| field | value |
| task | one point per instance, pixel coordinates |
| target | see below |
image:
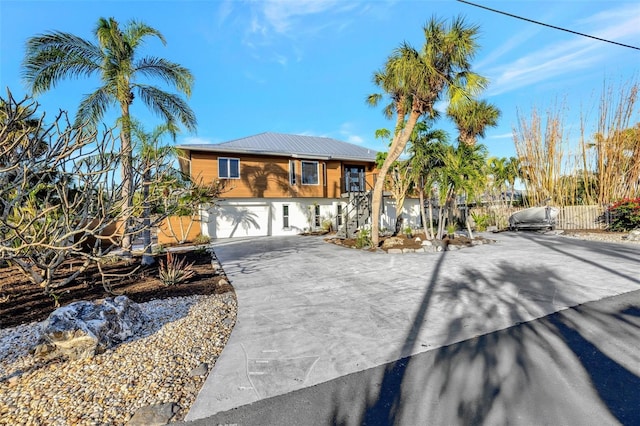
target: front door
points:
(354, 178)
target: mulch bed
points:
(27, 302)
(404, 242)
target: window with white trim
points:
(292, 172)
(285, 216)
(228, 168)
(310, 173)
(317, 215)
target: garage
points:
(228, 220)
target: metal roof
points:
(296, 146)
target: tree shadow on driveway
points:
(577, 366)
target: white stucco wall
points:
(410, 214)
(263, 217)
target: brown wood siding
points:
(175, 229)
(268, 177)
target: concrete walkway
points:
(311, 312)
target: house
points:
(282, 184)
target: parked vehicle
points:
(534, 218)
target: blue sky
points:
(305, 67)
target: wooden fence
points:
(569, 217)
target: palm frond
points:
(136, 32)
(51, 57)
(172, 73)
(167, 105)
(93, 107)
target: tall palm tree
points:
(415, 80)
(56, 55)
(472, 118)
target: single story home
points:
(282, 184)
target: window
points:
(292, 172)
(317, 215)
(339, 215)
(228, 168)
(309, 172)
(285, 216)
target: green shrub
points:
(175, 271)
(482, 221)
(363, 239)
(625, 214)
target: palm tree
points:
(512, 172)
(471, 118)
(498, 169)
(462, 171)
(426, 157)
(415, 80)
(57, 55)
(399, 181)
(151, 157)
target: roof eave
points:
(214, 149)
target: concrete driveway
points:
(311, 313)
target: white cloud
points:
(280, 14)
(274, 22)
(501, 136)
(194, 140)
(225, 9)
(347, 133)
(355, 139)
(548, 62)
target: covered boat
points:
(534, 218)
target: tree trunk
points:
(127, 181)
(398, 144)
(431, 217)
(147, 258)
(423, 216)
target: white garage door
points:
(241, 220)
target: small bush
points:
(363, 239)
(625, 214)
(327, 225)
(481, 220)
(175, 271)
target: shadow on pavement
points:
(603, 249)
(579, 366)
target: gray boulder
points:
(83, 329)
(392, 242)
(634, 235)
(154, 415)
